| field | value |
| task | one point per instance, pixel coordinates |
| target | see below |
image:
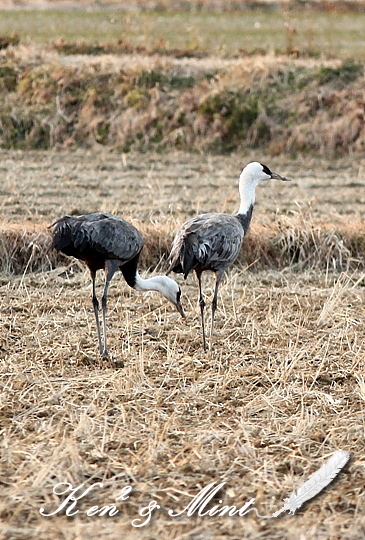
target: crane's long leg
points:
(110, 269)
(219, 275)
(202, 305)
(96, 309)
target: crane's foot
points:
(105, 356)
(115, 364)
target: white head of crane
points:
(250, 177)
(165, 286)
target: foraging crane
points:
(213, 241)
(109, 242)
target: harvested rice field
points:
(281, 391)
(150, 110)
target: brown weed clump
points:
(25, 249)
(294, 242)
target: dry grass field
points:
(338, 34)
(284, 387)
(282, 390)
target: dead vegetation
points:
(275, 104)
(284, 387)
(291, 242)
(282, 390)
(304, 225)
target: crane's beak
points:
(276, 176)
(180, 309)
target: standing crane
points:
(108, 242)
(213, 241)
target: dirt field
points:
(282, 390)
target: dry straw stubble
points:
(261, 413)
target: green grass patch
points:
(346, 73)
(150, 79)
(237, 112)
(336, 34)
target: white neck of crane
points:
(150, 284)
(247, 188)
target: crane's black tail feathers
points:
(61, 235)
(182, 261)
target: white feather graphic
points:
(318, 481)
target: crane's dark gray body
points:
(208, 242)
(97, 238)
(213, 241)
(102, 241)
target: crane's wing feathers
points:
(115, 239)
(207, 241)
(108, 235)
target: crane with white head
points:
(213, 241)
